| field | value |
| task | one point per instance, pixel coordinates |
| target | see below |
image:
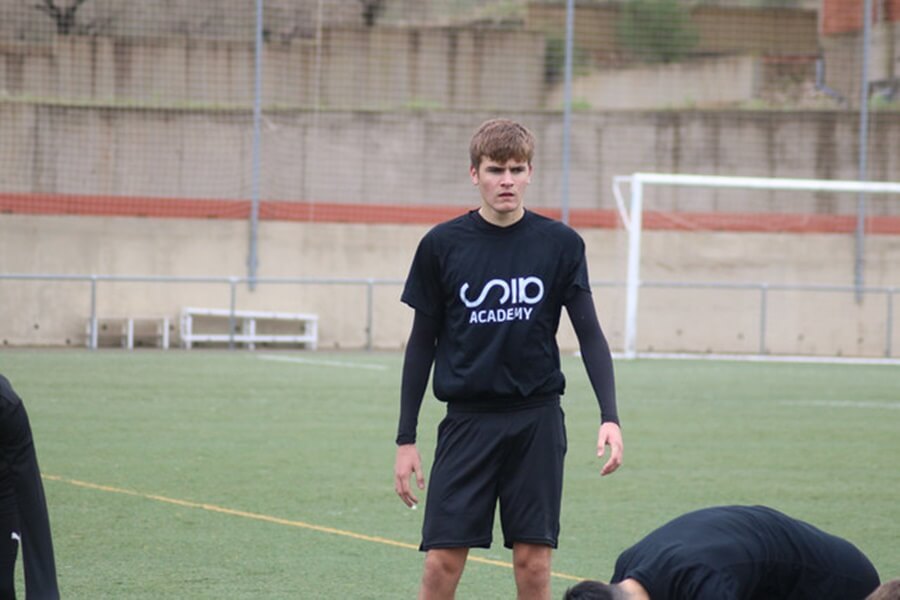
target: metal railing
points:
(765, 288)
(369, 283)
(232, 281)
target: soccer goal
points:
(632, 217)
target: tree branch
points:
(63, 17)
(49, 8)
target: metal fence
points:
(232, 284)
(212, 111)
(765, 288)
(367, 319)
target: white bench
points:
(254, 327)
(124, 329)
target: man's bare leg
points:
(443, 568)
(532, 567)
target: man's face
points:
(502, 187)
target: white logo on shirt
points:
(518, 290)
(515, 291)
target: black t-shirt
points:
(497, 293)
(746, 553)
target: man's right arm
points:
(419, 357)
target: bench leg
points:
(164, 334)
(186, 331)
(128, 326)
(250, 329)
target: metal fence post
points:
(763, 315)
(370, 303)
(93, 343)
(255, 177)
(860, 238)
(890, 322)
(232, 320)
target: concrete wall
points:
(355, 67)
(421, 158)
(708, 82)
(415, 158)
(54, 313)
(387, 67)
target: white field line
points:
(322, 363)
(836, 360)
(844, 404)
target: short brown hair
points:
(889, 590)
(501, 140)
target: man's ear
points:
(473, 173)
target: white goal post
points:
(633, 218)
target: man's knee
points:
(532, 563)
(444, 565)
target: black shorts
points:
(515, 457)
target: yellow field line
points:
(270, 519)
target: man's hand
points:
(609, 435)
(409, 462)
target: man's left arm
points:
(599, 365)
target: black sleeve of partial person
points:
(18, 451)
(595, 353)
(417, 363)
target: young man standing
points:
(488, 289)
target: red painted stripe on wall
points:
(333, 212)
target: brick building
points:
(845, 16)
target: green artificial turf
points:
(217, 474)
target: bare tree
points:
(63, 16)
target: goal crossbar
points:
(633, 218)
(770, 183)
